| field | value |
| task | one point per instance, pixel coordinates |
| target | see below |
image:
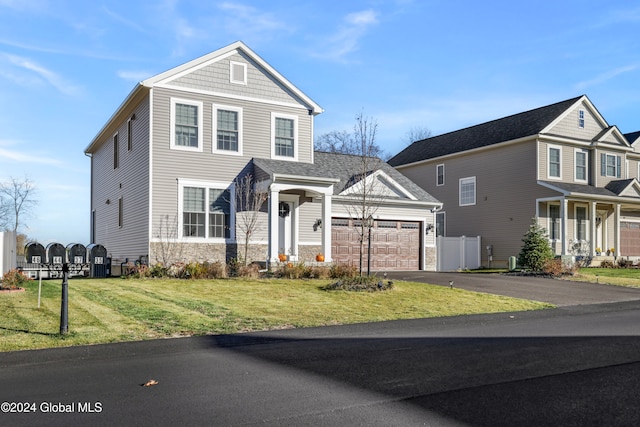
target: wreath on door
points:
(284, 209)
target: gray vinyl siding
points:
(308, 212)
(130, 181)
(506, 191)
(215, 78)
(170, 165)
(568, 162)
(568, 126)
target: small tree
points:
(536, 250)
(169, 249)
(16, 202)
(249, 201)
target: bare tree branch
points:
(249, 201)
(17, 201)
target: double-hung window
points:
(554, 222)
(284, 131)
(206, 211)
(581, 119)
(186, 125)
(219, 213)
(193, 213)
(468, 191)
(555, 162)
(440, 175)
(581, 166)
(227, 122)
(610, 165)
(581, 223)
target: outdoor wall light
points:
(429, 228)
(317, 224)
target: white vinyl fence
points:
(458, 253)
(7, 251)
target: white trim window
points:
(116, 151)
(440, 175)
(581, 165)
(206, 211)
(238, 73)
(554, 221)
(467, 192)
(186, 125)
(610, 165)
(581, 223)
(581, 119)
(227, 125)
(554, 158)
(441, 224)
(284, 136)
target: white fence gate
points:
(458, 253)
(7, 251)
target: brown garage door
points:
(395, 245)
(630, 238)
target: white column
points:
(326, 227)
(563, 225)
(274, 198)
(592, 234)
(616, 228)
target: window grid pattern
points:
(581, 166)
(219, 211)
(554, 222)
(227, 130)
(554, 162)
(193, 212)
(284, 137)
(581, 223)
(186, 127)
(467, 191)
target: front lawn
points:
(614, 276)
(112, 310)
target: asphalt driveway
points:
(558, 292)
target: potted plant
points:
(598, 251)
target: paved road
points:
(574, 365)
(558, 292)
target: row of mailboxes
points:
(56, 254)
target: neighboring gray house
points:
(562, 163)
(163, 169)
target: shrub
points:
(159, 270)
(359, 284)
(536, 250)
(608, 264)
(139, 271)
(343, 270)
(293, 271)
(556, 268)
(319, 272)
(13, 279)
(625, 263)
(251, 271)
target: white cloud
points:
(40, 73)
(241, 20)
(26, 156)
(604, 77)
(346, 40)
(135, 76)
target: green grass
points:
(114, 310)
(613, 276)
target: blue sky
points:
(65, 66)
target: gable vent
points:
(238, 73)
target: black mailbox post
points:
(98, 260)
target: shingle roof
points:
(344, 167)
(612, 189)
(505, 129)
(632, 137)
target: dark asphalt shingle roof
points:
(614, 188)
(505, 129)
(631, 137)
(344, 167)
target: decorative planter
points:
(320, 258)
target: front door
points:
(285, 237)
(601, 231)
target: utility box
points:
(98, 260)
(512, 263)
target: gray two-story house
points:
(562, 163)
(164, 170)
